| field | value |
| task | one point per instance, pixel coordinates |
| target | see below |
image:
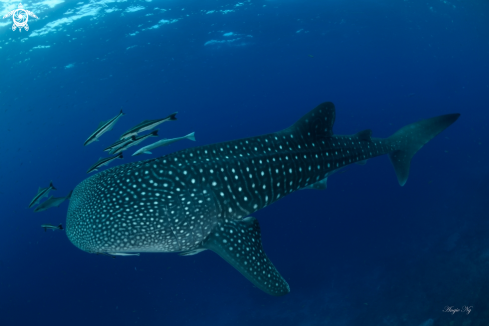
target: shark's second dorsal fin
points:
(239, 243)
(318, 123)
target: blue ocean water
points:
(363, 252)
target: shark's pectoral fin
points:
(239, 243)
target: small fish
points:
(135, 142)
(51, 227)
(163, 142)
(103, 127)
(52, 202)
(42, 192)
(119, 143)
(121, 254)
(147, 125)
(103, 161)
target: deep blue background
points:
(363, 252)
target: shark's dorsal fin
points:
(239, 243)
(365, 135)
(318, 123)
(102, 123)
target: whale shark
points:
(202, 198)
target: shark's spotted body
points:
(200, 198)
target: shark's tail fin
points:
(412, 137)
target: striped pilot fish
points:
(202, 198)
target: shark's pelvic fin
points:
(412, 137)
(239, 243)
(320, 185)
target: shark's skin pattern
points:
(199, 198)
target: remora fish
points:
(136, 141)
(199, 198)
(120, 143)
(52, 202)
(147, 125)
(163, 142)
(42, 192)
(51, 227)
(103, 127)
(103, 161)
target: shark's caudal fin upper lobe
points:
(412, 137)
